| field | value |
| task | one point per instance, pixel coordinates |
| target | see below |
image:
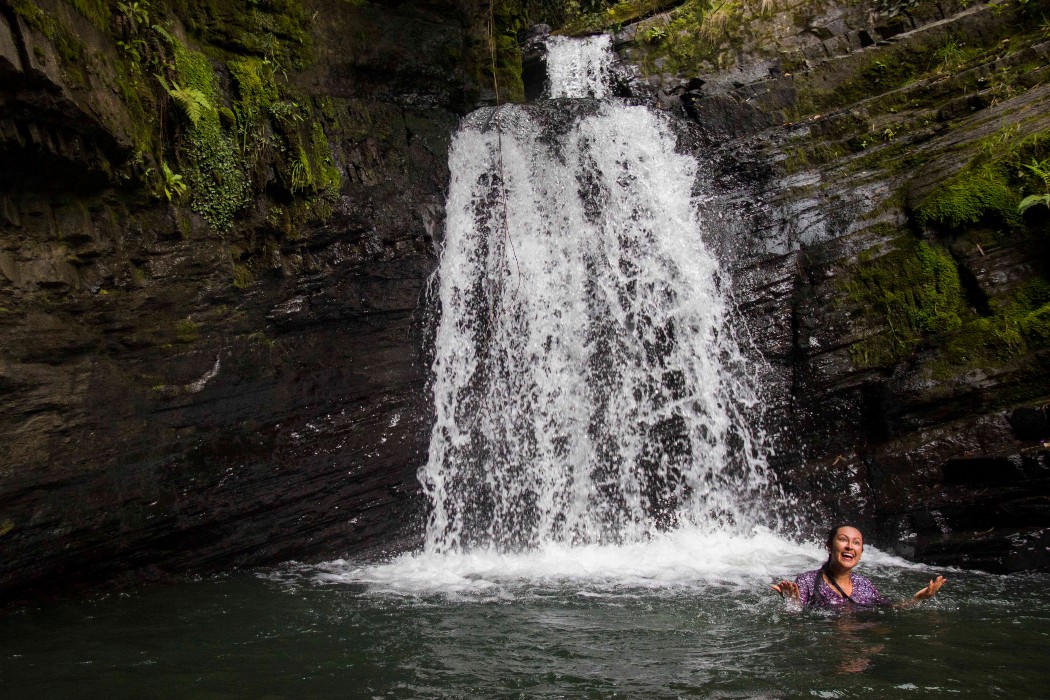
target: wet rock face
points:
(882, 301)
(180, 398)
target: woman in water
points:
(835, 585)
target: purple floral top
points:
(864, 592)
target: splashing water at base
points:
(685, 559)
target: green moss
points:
(71, 51)
(138, 96)
(1016, 327)
(887, 71)
(96, 11)
(324, 173)
(914, 290)
(913, 74)
(242, 276)
(495, 57)
(703, 34)
(606, 17)
(304, 159)
(970, 196)
(813, 155)
(511, 88)
(1027, 313)
(35, 17)
(319, 208)
(256, 91)
(279, 31)
(990, 186)
(210, 154)
(275, 30)
(1035, 326)
(186, 331)
(195, 70)
(327, 107)
(256, 88)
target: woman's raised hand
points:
(788, 588)
(931, 589)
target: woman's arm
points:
(928, 592)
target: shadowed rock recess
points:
(218, 218)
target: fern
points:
(1031, 200)
(1042, 171)
(192, 101)
(300, 172)
(164, 34)
(174, 188)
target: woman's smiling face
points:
(846, 547)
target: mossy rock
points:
(913, 291)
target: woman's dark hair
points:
(835, 530)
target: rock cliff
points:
(876, 155)
(217, 222)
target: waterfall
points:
(588, 386)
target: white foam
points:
(684, 559)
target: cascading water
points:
(587, 384)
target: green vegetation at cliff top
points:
(199, 80)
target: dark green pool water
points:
(342, 632)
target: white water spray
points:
(588, 388)
(579, 67)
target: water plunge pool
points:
(689, 616)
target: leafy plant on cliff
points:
(134, 16)
(174, 187)
(215, 169)
(952, 55)
(303, 155)
(193, 103)
(146, 43)
(1042, 171)
(704, 31)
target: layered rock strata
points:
(217, 223)
(879, 158)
